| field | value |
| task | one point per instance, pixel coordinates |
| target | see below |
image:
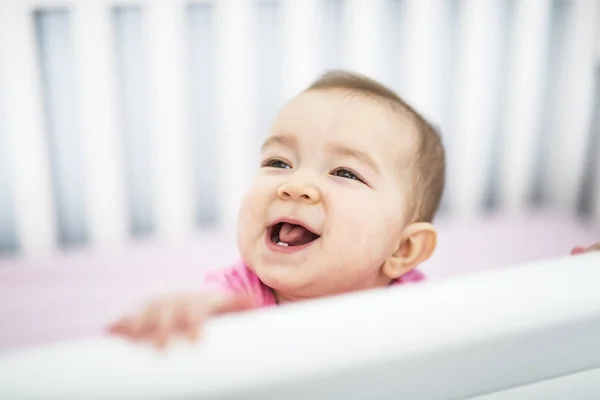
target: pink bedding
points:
(75, 294)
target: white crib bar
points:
(364, 37)
(236, 122)
(596, 194)
(300, 19)
(29, 161)
(528, 46)
(476, 90)
(447, 340)
(104, 182)
(174, 209)
(423, 54)
(582, 385)
(572, 111)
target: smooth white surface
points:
(582, 385)
(451, 339)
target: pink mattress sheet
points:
(75, 294)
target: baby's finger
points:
(144, 325)
(141, 327)
(594, 247)
(122, 327)
(164, 325)
(583, 249)
(190, 320)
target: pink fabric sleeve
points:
(410, 277)
(240, 279)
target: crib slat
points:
(477, 70)
(572, 109)
(174, 194)
(27, 144)
(235, 134)
(107, 220)
(423, 34)
(364, 37)
(526, 79)
(596, 194)
(267, 25)
(300, 44)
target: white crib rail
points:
(453, 339)
(499, 90)
(573, 106)
(478, 73)
(596, 183)
(572, 111)
(300, 64)
(169, 108)
(103, 151)
(236, 105)
(364, 39)
(31, 183)
(427, 60)
(527, 74)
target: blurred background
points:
(125, 121)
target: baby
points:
(350, 180)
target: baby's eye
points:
(344, 173)
(276, 164)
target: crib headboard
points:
(121, 119)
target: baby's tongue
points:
(294, 235)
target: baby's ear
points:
(416, 245)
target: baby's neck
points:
(282, 298)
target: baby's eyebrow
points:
(285, 140)
(360, 155)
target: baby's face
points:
(327, 206)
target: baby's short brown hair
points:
(428, 166)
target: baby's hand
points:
(181, 314)
(583, 249)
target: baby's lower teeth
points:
(282, 244)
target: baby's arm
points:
(178, 314)
(224, 291)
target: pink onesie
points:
(240, 279)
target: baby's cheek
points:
(251, 222)
(254, 204)
(363, 247)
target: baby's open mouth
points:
(288, 234)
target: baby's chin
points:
(284, 278)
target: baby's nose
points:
(299, 191)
